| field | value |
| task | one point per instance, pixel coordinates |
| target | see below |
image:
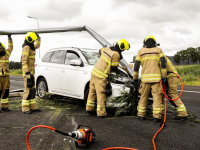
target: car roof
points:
(73, 48)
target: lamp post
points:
(38, 28)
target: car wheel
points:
(86, 97)
(42, 88)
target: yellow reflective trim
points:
(181, 108)
(149, 58)
(163, 70)
(138, 58)
(25, 53)
(25, 66)
(90, 104)
(108, 61)
(98, 75)
(89, 101)
(25, 102)
(115, 63)
(37, 42)
(161, 55)
(4, 100)
(135, 73)
(147, 75)
(8, 53)
(33, 56)
(4, 61)
(141, 109)
(100, 72)
(10, 44)
(149, 79)
(32, 101)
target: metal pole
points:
(38, 28)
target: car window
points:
(47, 57)
(91, 57)
(70, 56)
(57, 57)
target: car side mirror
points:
(76, 62)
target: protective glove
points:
(9, 36)
(136, 84)
(164, 80)
(30, 80)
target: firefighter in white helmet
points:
(4, 73)
(28, 67)
(109, 60)
(153, 64)
(172, 84)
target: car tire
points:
(86, 97)
(41, 87)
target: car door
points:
(71, 76)
(52, 70)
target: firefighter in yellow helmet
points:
(109, 60)
(172, 84)
(4, 74)
(153, 64)
(28, 67)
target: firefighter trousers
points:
(4, 90)
(173, 94)
(97, 91)
(144, 90)
(28, 101)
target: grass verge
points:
(16, 72)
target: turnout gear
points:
(172, 80)
(28, 67)
(109, 60)
(153, 64)
(4, 74)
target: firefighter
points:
(172, 93)
(153, 64)
(109, 60)
(28, 67)
(4, 74)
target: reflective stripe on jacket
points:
(4, 60)
(28, 58)
(153, 65)
(170, 68)
(108, 58)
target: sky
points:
(174, 23)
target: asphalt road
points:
(16, 82)
(110, 132)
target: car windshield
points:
(92, 57)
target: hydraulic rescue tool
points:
(84, 135)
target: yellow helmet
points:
(30, 37)
(149, 37)
(123, 44)
(2, 46)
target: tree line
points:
(15, 65)
(185, 56)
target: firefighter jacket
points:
(153, 65)
(28, 58)
(107, 60)
(4, 60)
(170, 68)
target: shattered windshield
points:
(91, 57)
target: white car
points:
(67, 72)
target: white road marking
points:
(190, 91)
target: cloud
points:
(56, 10)
(182, 31)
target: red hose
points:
(39, 126)
(116, 148)
(179, 94)
(166, 97)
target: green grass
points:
(16, 72)
(190, 74)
